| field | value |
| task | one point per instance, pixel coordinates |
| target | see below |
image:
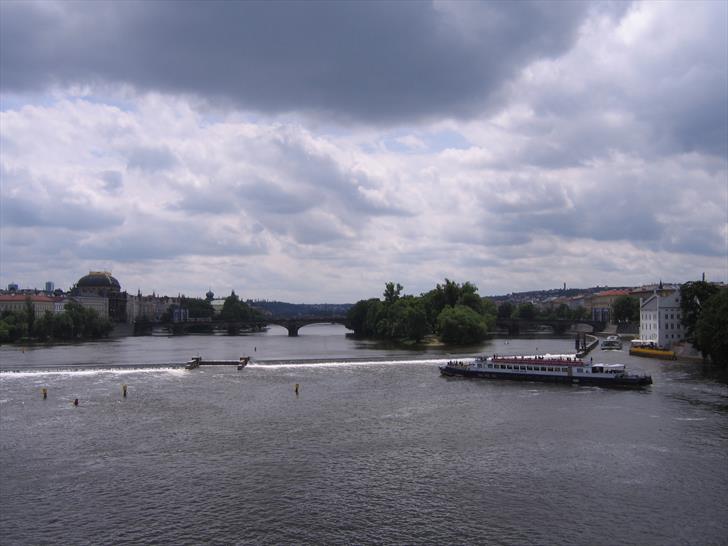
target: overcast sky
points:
(311, 152)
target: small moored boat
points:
(643, 347)
(611, 343)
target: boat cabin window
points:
(529, 367)
(509, 367)
(580, 370)
(542, 368)
(564, 369)
(490, 365)
(523, 367)
(597, 369)
(550, 369)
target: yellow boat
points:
(641, 347)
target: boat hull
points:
(652, 353)
(618, 382)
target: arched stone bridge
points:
(293, 325)
(515, 326)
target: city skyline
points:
(311, 152)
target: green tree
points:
(417, 326)
(4, 331)
(461, 325)
(505, 310)
(16, 325)
(44, 326)
(234, 310)
(693, 296)
(62, 326)
(412, 318)
(198, 308)
(526, 311)
(711, 329)
(374, 323)
(488, 307)
(626, 309)
(392, 292)
(86, 323)
(356, 317)
(562, 311)
(29, 313)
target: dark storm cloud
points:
(361, 60)
(616, 206)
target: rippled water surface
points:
(376, 448)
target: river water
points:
(375, 448)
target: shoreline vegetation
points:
(75, 323)
(452, 312)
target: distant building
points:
(179, 314)
(59, 304)
(661, 319)
(600, 304)
(149, 307)
(648, 290)
(49, 287)
(99, 304)
(102, 284)
(12, 287)
(217, 304)
(19, 302)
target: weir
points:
(197, 361)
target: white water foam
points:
(349, 363)
(6, 375)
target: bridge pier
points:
(293, 329)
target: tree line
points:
(454, 312)
(74, 323)
(704, 308)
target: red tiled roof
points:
(23, 297)
(613, 293)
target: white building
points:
(97, 303)
(660, 319)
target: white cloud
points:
(599, 165)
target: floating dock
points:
(197, 361)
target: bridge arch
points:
(294, 325)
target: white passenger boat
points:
(611, 343)
(546, 368)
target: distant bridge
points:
(515, 326)
(292, 324)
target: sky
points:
(313, 151)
